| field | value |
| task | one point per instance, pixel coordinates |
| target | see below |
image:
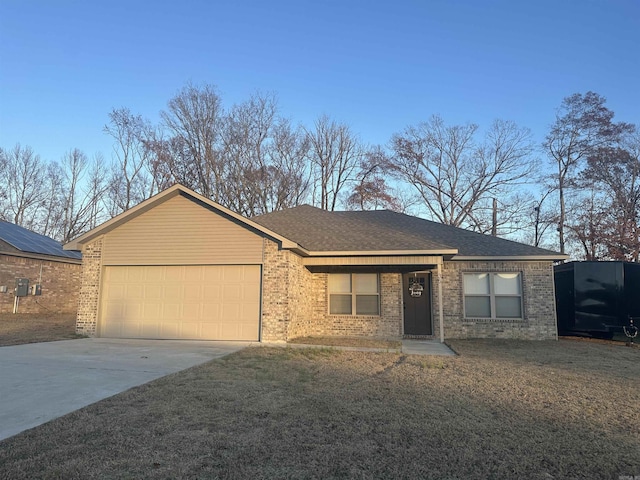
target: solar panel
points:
(28, 241)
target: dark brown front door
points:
(417, 309)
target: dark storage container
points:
(596, 298)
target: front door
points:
(417, 304)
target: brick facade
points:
(60, 282)
(386, 325)
(87, 322)
(295, 303)
(539, 322)
(295, 300)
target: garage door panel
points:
(193, 292)
(135, 275)
(170, 330)
(231, 293)
(151, 311)
(174, 273)
(152, 291)
(211, 276)
(194, 274)
(190, 330)
(183, 302)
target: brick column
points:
(87, 321)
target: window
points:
(354, 292)
(492, 295)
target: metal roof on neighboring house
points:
(30, 242)
(383, 230)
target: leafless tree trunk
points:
(371, 190)
(193, 121)
(456, 177)
(335, 154)
(130, 182)
(582, 124)
(247, 129)
(290, 178)
(81, 196)
(614, 172)
(23, 177)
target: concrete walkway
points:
(410, 347)
(43, 381)
(425, 347)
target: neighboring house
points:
(52, 274)
(181, 266)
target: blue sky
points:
(377, 66)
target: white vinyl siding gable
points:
(181, 232)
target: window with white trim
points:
(354, 294)
(493, 295)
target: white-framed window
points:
(354, 294)
(493, 295)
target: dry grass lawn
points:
(502, 409)
(19, 328)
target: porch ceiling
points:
(403, 263)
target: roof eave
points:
(522, 258)
(77, 243)
(40, 256)
(358, 253)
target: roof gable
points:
(162, 197)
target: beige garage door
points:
(203, 302)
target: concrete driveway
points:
(43, 381)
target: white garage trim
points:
(191, 302)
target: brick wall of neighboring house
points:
(539, 322)
(60, 283)
(87, 322)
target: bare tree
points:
(82, 191)
(246, 134)
(95, 189)
(24, 179)
(615, 173)
(457, 177)
(130, 182)
(336, 153)
(371, 190)
(582, 124)
(290, 175)
(542, 217)
(587, 225)
(52, 210)
(193, 121)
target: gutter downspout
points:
(440, 305)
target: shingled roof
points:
(318, 230)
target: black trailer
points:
(597, 298)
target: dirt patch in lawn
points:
(348, 342)
(19, 328)
(534, 410)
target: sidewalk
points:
(410, 347)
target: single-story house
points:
(49, 276)
(180, 266)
